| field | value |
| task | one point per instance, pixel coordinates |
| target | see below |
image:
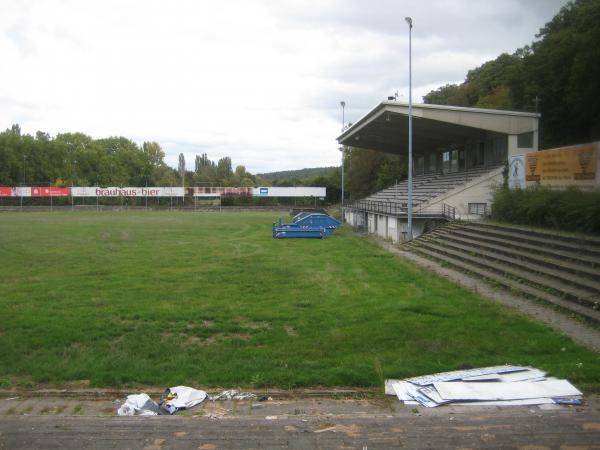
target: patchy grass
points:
(168, 298)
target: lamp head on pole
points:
(343, 103)
(408, 21)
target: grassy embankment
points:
(212, 300)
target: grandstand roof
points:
(385, 127)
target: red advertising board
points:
(45, 191)
(5, 191)
(237, 192)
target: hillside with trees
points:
(299, 174)
(558, 75)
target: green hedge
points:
(570, 210)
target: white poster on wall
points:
(516, 172)
(21, 191)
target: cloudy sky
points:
(257, 80)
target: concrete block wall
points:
(386, 227)
(480, 190)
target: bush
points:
(570, 210)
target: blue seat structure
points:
(317, 220)
(306, 225)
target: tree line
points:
(75, 159)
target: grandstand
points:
(426, 187)
(459, 155)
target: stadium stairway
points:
(561, 270)
(426, 187)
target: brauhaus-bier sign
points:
(127, 192)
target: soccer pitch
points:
(210, 299)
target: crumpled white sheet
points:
(138, 404)
(185, 397)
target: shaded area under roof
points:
(385, 127)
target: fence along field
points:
(207, 300)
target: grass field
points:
(168, 298)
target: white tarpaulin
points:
(463, 390)
(95, 191)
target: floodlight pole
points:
(23, 183)
(410, 156)
(343, 104)
(72, 181)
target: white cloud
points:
(259, 81)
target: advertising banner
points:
(270, 191)
(207, 191)
(7, 191)
(516, 172)
(237, 192)
(561, 167)
(50, 191)
(301, 191)
(128, 191)
(223, 192)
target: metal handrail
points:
(400, 209)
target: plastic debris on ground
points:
(180, 397)
(497, 385)
(138, 405)
(177, 398)
(233, 395)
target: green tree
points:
(561, 68)
(154, 153)
(564, 69)
(181, 167)
(224, 170)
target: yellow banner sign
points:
(562, 167)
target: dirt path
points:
(577, 330)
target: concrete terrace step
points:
(586, 284)
(534, 257)
(513, 285)
(541, 282)
(547, 240)
(561, 236)
(506, 240)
